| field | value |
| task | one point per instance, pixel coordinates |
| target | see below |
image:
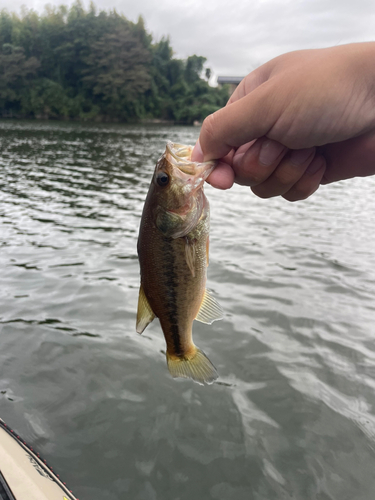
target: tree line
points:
(72, 63)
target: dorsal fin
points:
(210, 309)
(144, 314)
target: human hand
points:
(303, 119)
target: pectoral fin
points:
(210, 309)
(208, 250)
(190, 255)
(144, 314)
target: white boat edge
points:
(23, 474)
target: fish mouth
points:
(180, 156)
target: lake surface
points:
(292, 413)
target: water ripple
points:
(292, 414)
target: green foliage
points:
(70, 63)
(16, 73)
(194, 68)
(117, 71)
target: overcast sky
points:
(237, 39)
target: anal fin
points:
(210, 309)
(144, 314)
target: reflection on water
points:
(292, 414)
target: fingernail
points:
(197, 154)
(315, 165)
(299, 156)
(270, 152)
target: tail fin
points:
(197, 367)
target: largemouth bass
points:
(173, 254)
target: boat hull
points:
(23, 474)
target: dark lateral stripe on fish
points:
(170, 278)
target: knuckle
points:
(293, 197)
(245, 177)
(283, 180)
(209, 127)
(255, 179)
(300, 192)
(286, 175)
(261, 192)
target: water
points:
(292, 414)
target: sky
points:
(236, 39)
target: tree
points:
(90, 64)
(194, 67)
(15, 74)
(117, 70)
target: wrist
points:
(363, 56)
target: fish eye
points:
(162, 179)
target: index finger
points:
(239, 122)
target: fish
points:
(173, 248)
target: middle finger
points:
(287, 173)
